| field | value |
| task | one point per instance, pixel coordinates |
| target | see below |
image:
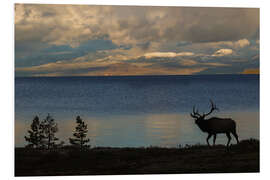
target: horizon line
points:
(137, 75)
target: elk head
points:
(198, 117)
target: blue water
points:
(137, 110)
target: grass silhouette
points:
(243, 157)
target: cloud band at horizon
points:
(88, 40)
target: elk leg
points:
(214, 140)
(208, 137)
(229, 138)
(236, 136)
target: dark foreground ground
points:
(243, 157)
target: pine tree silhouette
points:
(35, 134)
(49, 128)
(80, 134)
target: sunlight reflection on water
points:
(146, 129)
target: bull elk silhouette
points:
(215, 125)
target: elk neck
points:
(202, 124)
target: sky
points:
(87, 40)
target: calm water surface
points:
(137, 111)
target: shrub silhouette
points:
(81, 130)
(35, 138)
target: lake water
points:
(137, 111)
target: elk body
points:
(215, 125)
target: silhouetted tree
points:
(80, 134)
(35, 134)
(49, 128)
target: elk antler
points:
(213, 107)
(195, 114)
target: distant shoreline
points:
(136, 76)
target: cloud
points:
(223, 52)
(166, 54)
(242, 43)
(74, 24)
(86, 51)
(256, 57)
(236, 44)
(188, 62)
(93, 40)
